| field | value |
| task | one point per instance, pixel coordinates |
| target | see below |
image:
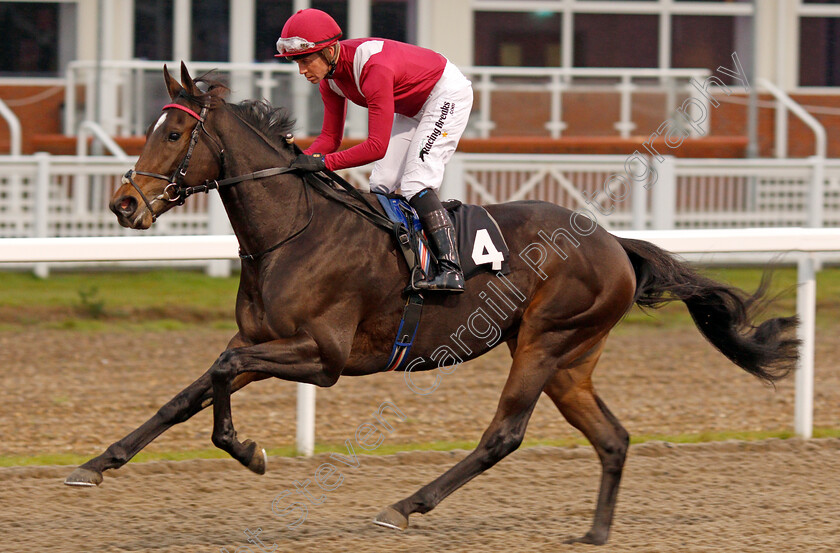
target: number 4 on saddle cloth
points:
(481, 247)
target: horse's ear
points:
(187, 81)
(172, 85)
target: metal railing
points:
(556, 81)
(138, 86)
(784, 103)
(15, 134)
(91, 128)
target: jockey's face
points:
(314, 67)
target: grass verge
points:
(289, 451)
(165, 300)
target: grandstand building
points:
(791, 43)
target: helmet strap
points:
(331, 62)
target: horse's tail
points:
(724, 314)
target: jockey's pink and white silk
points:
(418, 106)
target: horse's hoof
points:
(589, 538)
(391, 518)
(259, 459)
(84, 477)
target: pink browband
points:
(182, 108)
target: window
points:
(819, 51)
(709, 41)
(211, 30)
(530, 39)
(389, 19)
(30, 38)
(607, 40)
(337, 9)
(271, 16)
(153, 29)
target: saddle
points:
(481, 245)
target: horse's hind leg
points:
(571, 390)
(533, 367)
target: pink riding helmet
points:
(306, 32)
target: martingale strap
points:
(408, 237)
(406, 332)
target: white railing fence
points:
(688, 193)
(60, 196)
(63, 196)
(806, 242)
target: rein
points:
(177, 191)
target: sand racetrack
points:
(64, 391)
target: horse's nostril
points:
(124, 206)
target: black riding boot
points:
(441, 234)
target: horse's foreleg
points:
(297, 359)
(571, 390)
(188, 402)
(180, 408)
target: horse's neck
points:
(262, 212)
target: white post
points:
(301, 91)
(242, 23)
(301, 88)
(358, 26)
(41, 208)
(485, 88)
(817, 192)
(305, 419)
(806, 300)
(109, 89)
(217, 224)
(626, 125)
(182, 32)
(454, 187)
(556, 125)
(70, 101)
(781, 130)
(424, 24)
(15, 132)
(665, 195)
(638, 202)
(698, 96)
(14, 192)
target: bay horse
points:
(320, 297)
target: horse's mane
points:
(274, 122)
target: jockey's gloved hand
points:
(310, 164)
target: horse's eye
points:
(174, 136)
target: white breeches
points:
(421, 146)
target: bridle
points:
(176, 190)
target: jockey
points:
(418, 105)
